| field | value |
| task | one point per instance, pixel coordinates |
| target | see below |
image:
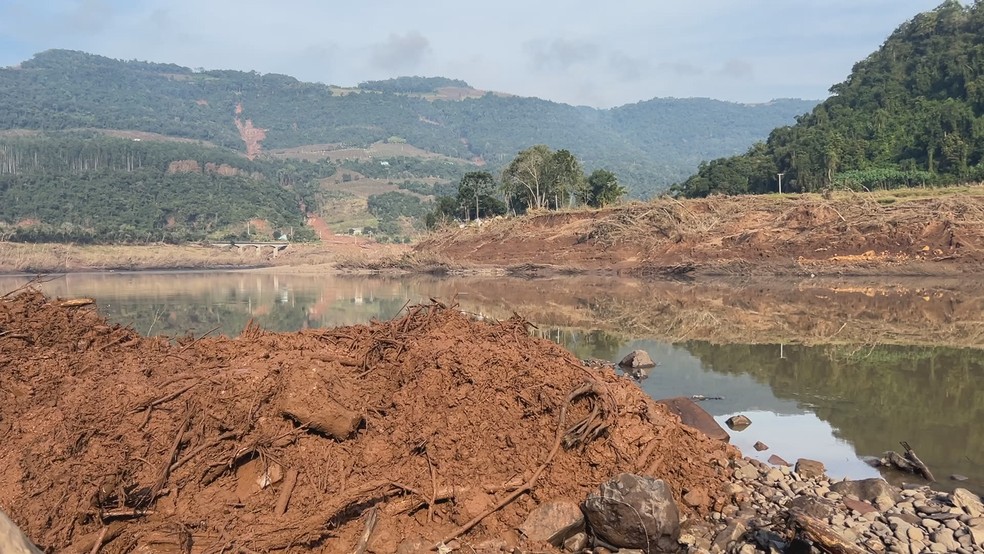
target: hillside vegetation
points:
(648, 145)
(911, 113)
(86, 187)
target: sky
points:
(599, 53)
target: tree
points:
(525, 181)
(540, 178)
(603, 189)
(475, 191)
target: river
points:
(830, 370)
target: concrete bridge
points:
(275, 247)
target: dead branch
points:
(910, 455)
(822, 535)
(166, 398)
(166, 470)
(290, 481)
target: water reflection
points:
(847, 378)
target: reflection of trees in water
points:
(585, 344)
(875, 397)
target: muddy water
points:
(833, 370)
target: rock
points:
(773, 476)
(637, 359)
(760, 446)
(977, 533)
(746, 472)
(692, 415)
(859, 506)
(884, 503)
(738, 422)
(809, 468)
(576, 542)
(915, 534)
(13, 540)
(958, 477)
(776, 460)
(695, 498)
(867, 489)
(970, 502)
(553, 522)
(631, 511)
(728, 536)
(256, 475)
(819, 508)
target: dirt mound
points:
(431, 425)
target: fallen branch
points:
(908, 462)
(99, 541)
(822, 535)
(367, 533)
(290, 481)
(166, 470)
(192, 343)
(910, 455)
(165, 398)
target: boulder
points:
(809, 468)
(637, 359)
(775, 459)
(631, 511)
(553, 522)
(692, 415)
(867, 489)
(738, 422)
(970, 502)
(760, 446)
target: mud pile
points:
(429, 425)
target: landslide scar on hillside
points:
(251, 135)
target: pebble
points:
(924, 521)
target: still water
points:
(834, 371)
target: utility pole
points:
(780, 181)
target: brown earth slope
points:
(921, 231)
(149, 445)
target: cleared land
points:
(902, 232)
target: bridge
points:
(275, 247)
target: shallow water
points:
(833, 371)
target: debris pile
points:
(430, 425)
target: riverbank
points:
(48, 258)
(899, 232)
(904, 232)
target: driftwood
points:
(908, 462)
(822, 535)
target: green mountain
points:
(910, 113)
(648, 145)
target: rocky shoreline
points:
(772, 508)
(771, 503)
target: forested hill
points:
(649, 144)
(910, 113)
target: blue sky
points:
(596, 53)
